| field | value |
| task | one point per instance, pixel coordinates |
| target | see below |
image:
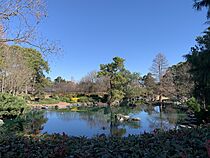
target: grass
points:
(48, 101)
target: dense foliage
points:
(193, 104)
(122, 83)
(22, 70)
(180, 143)
(199, 58)
(11, 106)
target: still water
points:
(95, 123)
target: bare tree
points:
(158, 69)
(159, 66)
(18, 23)
(15, 74)
(91, 83)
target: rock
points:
(1, 122)
(135, 119)
(44, 107)
(84, 104)
(122, 118)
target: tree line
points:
(120, 83)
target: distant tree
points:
(132, 86)
(158, 69)
(92, 83)
(62, 86)
(59, 79)
(150, 85)
(182, 80)
(166, 86)
(88, 83)
(159, 66)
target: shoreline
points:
(60, 105)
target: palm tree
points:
(200, 4)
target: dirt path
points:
(60, 105)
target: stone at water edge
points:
(135, 119)
(1, 122)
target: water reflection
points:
(100, 122)
(30, 123)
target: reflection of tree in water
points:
(29, 123)
(163, 119)
(116, 131)
(34, 122)
(126, 110)
(95, 119)
(103, 119)
(66, 116)
(119, 128)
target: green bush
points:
(11, 106)
(56, 97)
(66, 99)
(27, 97)
(85, 99)
(193, 104)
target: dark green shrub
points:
(105, 98)
(56, 97)
(80, 95)
(65, 99)
(96, 97)
(11, 106)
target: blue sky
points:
(92, 32)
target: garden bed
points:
(175, 143)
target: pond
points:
(99, 122)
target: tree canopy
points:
(22, 69)
(199, 58)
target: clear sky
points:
(92, 32)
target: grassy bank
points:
(180, 143)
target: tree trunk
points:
(26, 89)
(2, 85)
